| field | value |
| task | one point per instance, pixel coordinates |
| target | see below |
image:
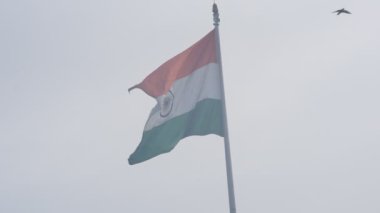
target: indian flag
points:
(189, 93)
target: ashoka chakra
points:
(166, 104)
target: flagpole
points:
(230, 182)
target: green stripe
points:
(206, 118)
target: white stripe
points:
(204, 83)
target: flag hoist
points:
(190, 101)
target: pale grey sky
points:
(302, 88)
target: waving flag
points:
(188, 90)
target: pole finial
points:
(216, 14)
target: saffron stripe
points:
(160, 81)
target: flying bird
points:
(338, 12)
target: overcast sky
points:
(303, 100)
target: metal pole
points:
(230, 182)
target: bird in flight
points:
(338, 12)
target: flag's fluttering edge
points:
(188, 90)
